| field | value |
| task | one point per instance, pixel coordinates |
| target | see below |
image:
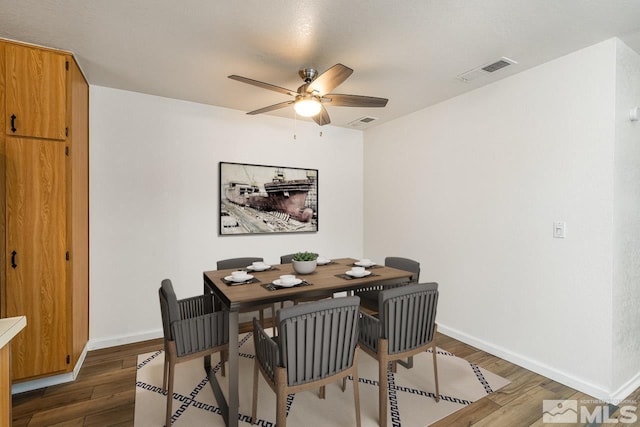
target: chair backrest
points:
(318, 339)
(405, 264)
(226, 264)
(286, 259)
(192, 323)
(408, 315)
(168, 307)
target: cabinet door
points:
(35, 254)
(36, 92)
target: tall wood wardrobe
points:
(44, 207)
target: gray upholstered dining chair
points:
(369, 295)
(244, 262)
(286, 259)
(225, 264)
(326, 351)
(405, 326)
(192, 329)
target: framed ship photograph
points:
(259, 199)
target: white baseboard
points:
(627, 388)
(543, 369)
(83, 355)
(97, 344)
(52, 380)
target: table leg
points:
(229, 407)
(233, 369)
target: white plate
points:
(244, 278)
(360, 264)
(323, 261)
(251, 267)
(277, 282)
(352, 274)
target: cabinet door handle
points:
(13, 259)
(13, 123)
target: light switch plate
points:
(559, 230)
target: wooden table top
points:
(324, 281)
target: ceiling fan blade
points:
(263, 85)
(271, 108)
(322, 118)
(330, 79)
(337, 100)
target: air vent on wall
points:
(362, 121)
(486, 69)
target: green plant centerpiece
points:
(304, 262)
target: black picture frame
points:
(263, 199)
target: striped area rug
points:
(411, 393)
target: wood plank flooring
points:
(104, 393)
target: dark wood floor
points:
(104, 393)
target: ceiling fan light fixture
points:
(310, 98)
(307, 106)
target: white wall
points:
(626, 258)
(471, 188)
(154, 199)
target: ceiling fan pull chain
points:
(295, 125)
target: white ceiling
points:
(409, 51)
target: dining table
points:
(325, 281)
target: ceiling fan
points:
(310, 98)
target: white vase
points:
(304, 267)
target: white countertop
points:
(10, 327)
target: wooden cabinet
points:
(36, 247)
(36, 92)
(44, 207)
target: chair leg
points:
(408, 364)
(323, 392)
(281, 408)
(383, 367)
(382, 397)
(172, 367)
(435, 371)
(261, 316)
(254, 404)
(280, 376)
(223, 361)
(166, 371)
(356, 389)
(274, 329)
